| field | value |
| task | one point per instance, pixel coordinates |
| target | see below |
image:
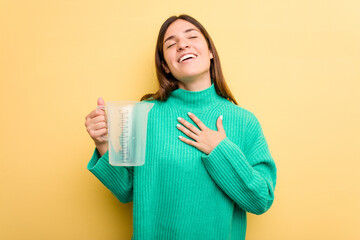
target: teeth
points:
(187, 56)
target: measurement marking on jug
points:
(125, 136)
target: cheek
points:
(202, 46)
(166, 55)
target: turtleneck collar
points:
(196, 101)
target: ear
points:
(165, 67)
(211, 55)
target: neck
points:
(195, 84)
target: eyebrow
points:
(186, 31)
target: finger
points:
(97, 135)
(219, 124)
(188, 141)
(91, 122)
(189, 126)
(95, 113)
(197, 121)
(100, 102)
(97, 119)
(99, 125)
(187, 132)
(95, 127)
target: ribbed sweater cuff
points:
(230, 169)
(117, 179)
(227, 156)
(96, 158)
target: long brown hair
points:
(168, 83)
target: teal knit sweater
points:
(181, 193)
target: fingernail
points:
(189, 113)
(221, 117)
(179, 118)
(180, 137)
(178, 125)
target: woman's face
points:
(186, 52)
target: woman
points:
(207, 161)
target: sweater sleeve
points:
(119, 180)
(248, 177)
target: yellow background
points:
(294, 64)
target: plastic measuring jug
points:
(127, 128)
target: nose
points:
(182, 44)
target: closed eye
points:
(171, 45)
(175, 43)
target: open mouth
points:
(187, 57)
